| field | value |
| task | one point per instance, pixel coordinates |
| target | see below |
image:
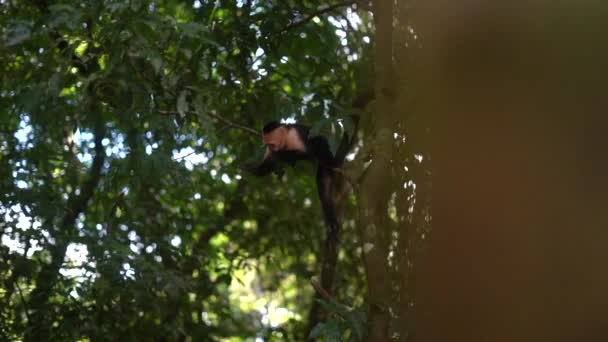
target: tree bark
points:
(375, 189)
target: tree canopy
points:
(125, 126)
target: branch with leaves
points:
(309, 17)
(47, 277)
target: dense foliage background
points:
(124, 129)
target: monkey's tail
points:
(326, 183)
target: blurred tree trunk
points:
(375, 189)
(518, 247)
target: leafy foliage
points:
(348, 323)
(126, 212)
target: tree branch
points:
(320, 290)
(23, 302)
(312, 15)
(40, 324)
(186, 156)
(218, 118)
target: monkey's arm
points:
(263, 167)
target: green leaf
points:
(62, 14)
(357, 323)
(61, 8)
(156, 60)
(257, 157)
(145, 26)
(334, 307)
(136, 5)
(30, 100)
(330, 130)
(224, 278)
(125, 35)
(284, 107)
(333, 331)
(182, 103)
(317, 128)
(349, 126)
(330, 330)
(18, 32)
(116, 7)
(317, 331)
(193, 30)
(55, 84)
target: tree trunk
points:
(374, 192)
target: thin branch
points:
(312, 15)
(23, 302)
(218, 118)
(233, 124)
(186, 156)
(78, 204)
(327, 297)
(320, 290)
(353, 183)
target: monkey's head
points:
(274, 136)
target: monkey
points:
(288, 143)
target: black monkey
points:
(288, 143)
(291, 142)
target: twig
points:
(182, 157)
(320, 290)
(23, 302)
(312, 15)
(115, 205)
(219, 118)
(233, 124)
